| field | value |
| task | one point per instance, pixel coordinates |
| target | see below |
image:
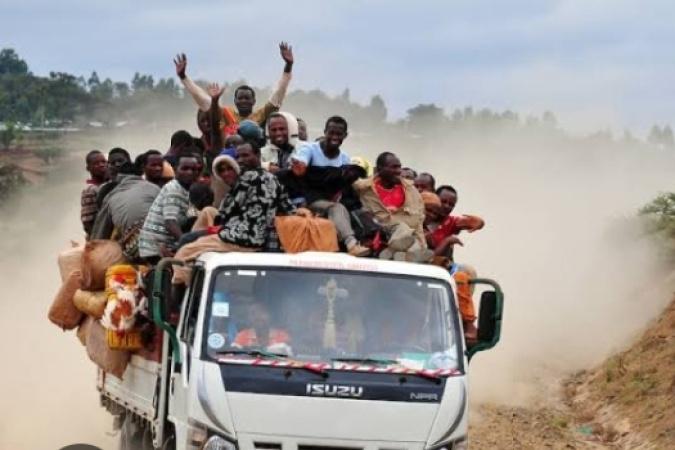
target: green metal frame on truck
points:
(157, 301)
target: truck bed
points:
(137, 391)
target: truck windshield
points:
(330, 318)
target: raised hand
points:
(214, 90)
(180, 61)
(286, 52)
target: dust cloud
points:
(580, 278)
(48, 386)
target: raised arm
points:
(279, 93)
(200, 96)
(215, 114)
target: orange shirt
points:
(248, 338)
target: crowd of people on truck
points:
(221, 191)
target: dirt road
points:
(48, 386)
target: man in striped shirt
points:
(97, 167)
(161, 230)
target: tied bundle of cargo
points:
(70, 260)
(63, 312)
(91, 303)
(109, 360)
(97, 257)
(126, 300)
(82, 269)
(304, 232)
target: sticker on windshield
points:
(216, 341)
(247, 273)
(221, 309)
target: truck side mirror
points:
(489, 317)
(487, 322)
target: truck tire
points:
(134, 436)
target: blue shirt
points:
(312, 155)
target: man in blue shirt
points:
(322, 164)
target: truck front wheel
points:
(135, 436)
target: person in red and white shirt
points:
(398, 207)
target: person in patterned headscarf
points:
(246, 215)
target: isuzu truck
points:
(310, 351)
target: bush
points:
(49, 154)
(660, 214)
(659, 220)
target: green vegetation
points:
(61, 99)
(11, 179)
(8, 134)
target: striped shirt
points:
(171, 204)
(88, 205)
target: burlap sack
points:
(301, 234)
(111, 361)
(70, 260)
(83, 329)
(63, 312)
(98, 255)
(91, 303)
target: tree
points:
(655, 135)
(549, 119)
(167, 87)
(93, 82)
(667, 137)
(142, 82)
(424, 116)
(377, 109)
(121, 90)
(10, 63)
(103, 91)
(345, 96)
(8, 133)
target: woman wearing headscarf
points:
(226, 170)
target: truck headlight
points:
(218, 443)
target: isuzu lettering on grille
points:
(334, 390)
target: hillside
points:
(632, 395)
(627, 402)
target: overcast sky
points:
(596, 64)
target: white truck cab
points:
(311, 351)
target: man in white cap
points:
(282, 130)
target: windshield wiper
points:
(378, 361)
(258, 353)
(263, 354)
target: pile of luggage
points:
(104, 298)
